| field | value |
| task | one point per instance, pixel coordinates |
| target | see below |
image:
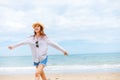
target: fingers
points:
(65, 53)
(10, 47)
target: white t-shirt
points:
(39, 53)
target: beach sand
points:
(65, 76)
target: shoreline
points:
(63, 73)
(63, 69)
(66, 76)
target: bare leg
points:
(37, 76)
(40, 73)
(43, 75)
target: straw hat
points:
(37, 24)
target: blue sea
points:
(74, 63)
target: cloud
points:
(92, 24)
(76, 20)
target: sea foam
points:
(62, 69)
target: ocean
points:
(74, 63)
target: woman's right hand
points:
(10, 47)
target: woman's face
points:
(37, 29)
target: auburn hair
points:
(42, 34)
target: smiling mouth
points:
(36, 29)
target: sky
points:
(80, 26)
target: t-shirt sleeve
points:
(23, 42)
(55, 45)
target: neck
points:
(37, 35)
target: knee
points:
(37, 73)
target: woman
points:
(39, 45)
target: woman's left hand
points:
(65, 53)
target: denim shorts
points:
(43, 62)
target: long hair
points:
(42, 34)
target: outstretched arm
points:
(18, 44)
(55, 45)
